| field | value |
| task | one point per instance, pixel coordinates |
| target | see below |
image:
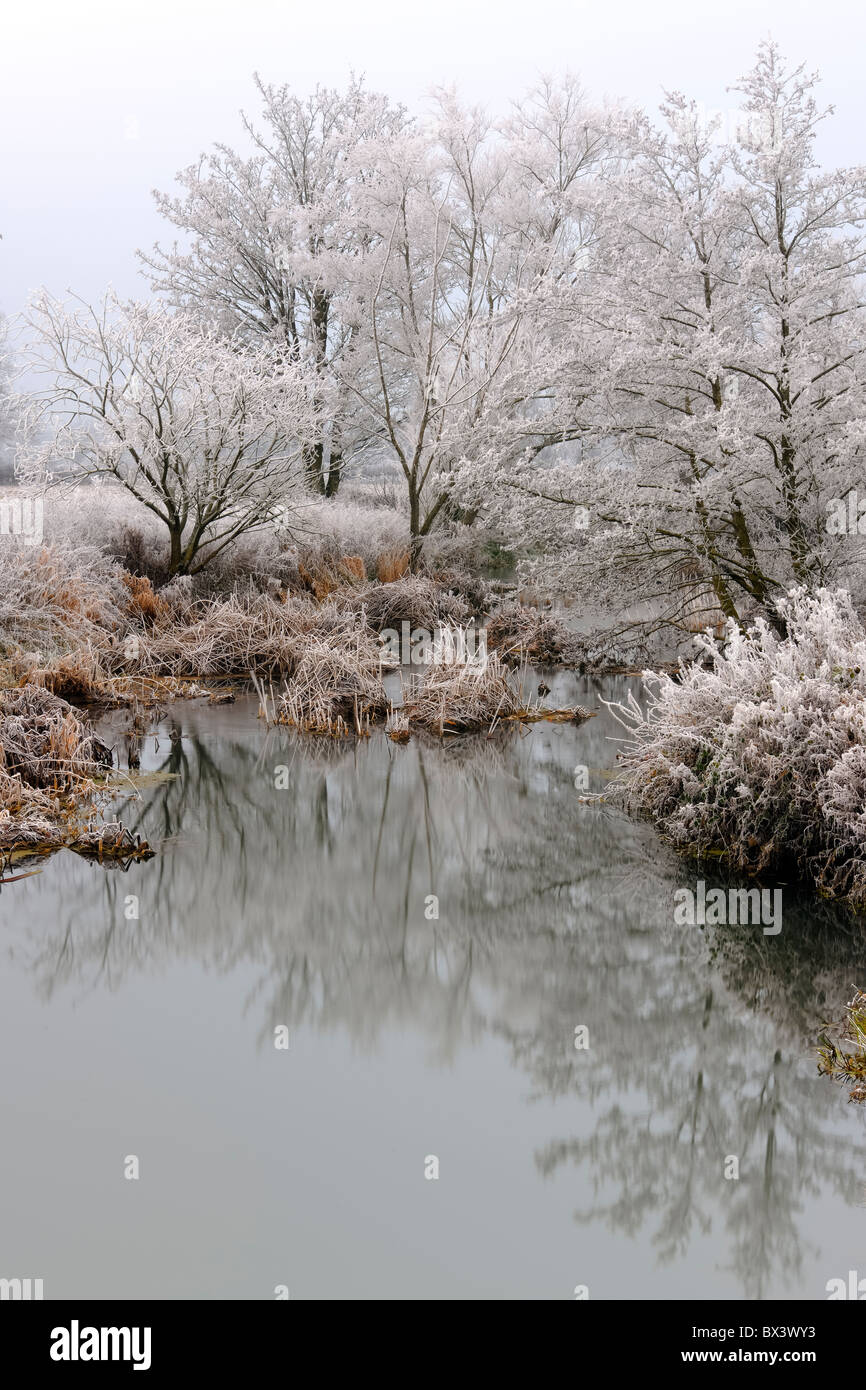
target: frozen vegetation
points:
(756, 752)
(461, 371)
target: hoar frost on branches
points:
(276, 245)
(636, 352)
(759, 752)
(705, 365)
(400, 258)
(206, 433)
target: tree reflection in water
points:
(552, 914)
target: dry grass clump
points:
(231, 637)
(86, 677)
(49, 760)
(847, 1062)
(338, 691)
(219, 638)
(475, 696)
(323, 577)
(62, 612)
(79, 676)
(471, 588)
(52, 599)
(169, 638)
(46, 743)
(332, 689)
(465, 698)
(28, 817)
(78, 625)
(111, 844)
(415, 599)
(392, 565)
(52, 770)
(143, 602)
(354, 567)
(522, 634)
(329, 694)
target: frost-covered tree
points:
(273, 241)
(389, 255)
(206, 433)
(468, 222)
(439, 333)
(708, 359)
(799, 359)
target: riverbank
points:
(94, 636)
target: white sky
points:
(103, 100)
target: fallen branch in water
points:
(16, 878)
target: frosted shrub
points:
(348, 528)
(57, 597)
(759, 751)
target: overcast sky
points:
(103, 101)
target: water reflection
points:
(315, 864)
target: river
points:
(428, 930)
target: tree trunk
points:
(797, 540)
(313, 458)
(176, 555)
(335, 474)
(416, 539)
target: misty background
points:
(102, 103)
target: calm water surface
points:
(305, 907)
